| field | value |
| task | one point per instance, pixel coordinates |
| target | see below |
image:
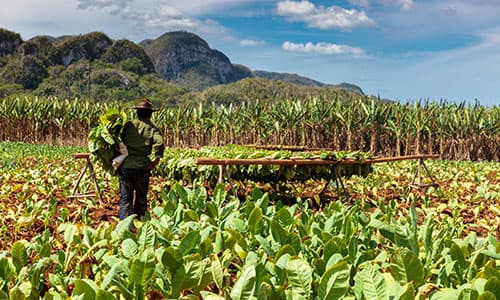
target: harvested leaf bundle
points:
(104, 139)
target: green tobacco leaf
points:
(129, 248)
(142, 268)
(406, 267)
(19, 255)
(124, 226)
(6, 272)
(278, 233)
(104, 295)
(284, 217)
(468, 294)
(335, 282)
(189, 242)
(444, 294)
(147, 236)
(16, 294)
(493, 286)
(85, 288)
(256, 221)
(114, 273)
(219, 195)
(245, 285)
(181, 192)
(193, 271)
(371, 282)
(172, 259)
(487, 295)
(217, 272)
(299, 275)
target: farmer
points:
(141, 138)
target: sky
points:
(403, 50)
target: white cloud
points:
(250, 43)
(159, 18)
(115, 6)
(333, 17)
(403, 4)
(204, 7)
(322, 48)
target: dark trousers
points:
(133, 180)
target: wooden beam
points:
(303, 162)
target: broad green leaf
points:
(19, 255)
(129, 248)
(334, 283)
(278, 233)
(468, 294)
(194, 269)
(406, 267)
(104, 295)
(444, 294)
(371, 282)
(124, 226)
(256, 221)
(245, 285)
(409, 292)
(217, 272)
(6, 271)
(172, 259)
(458, 255)
(142, 268)
(493, 286)
(285, 249)
(331, 247)
(86, 288)
(219, 241)
(284, 217)
(189, 242)
(146, 237)
(210, 296)
(299, 275)
(16, 294)
(115, 272)
(487, 295)
(182, 193)
(219, 195)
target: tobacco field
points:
(385, 240)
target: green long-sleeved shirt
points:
(142, 138)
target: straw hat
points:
(145, 103)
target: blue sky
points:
(398, 49)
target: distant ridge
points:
(94, 65)
(297, 79)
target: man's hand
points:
(153, 164)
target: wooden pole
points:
(301, 161)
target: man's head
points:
(144, 108)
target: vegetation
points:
(86, 61)
(456, 131)
(386, 241)
(179, 165)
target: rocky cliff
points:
(188, 60)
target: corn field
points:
(456, 131)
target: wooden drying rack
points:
(88, 166)
(416, 183)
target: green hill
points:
(177, 66)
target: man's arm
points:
(158, 148)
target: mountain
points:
(301, 80)
(95, 66)
(187, 60)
